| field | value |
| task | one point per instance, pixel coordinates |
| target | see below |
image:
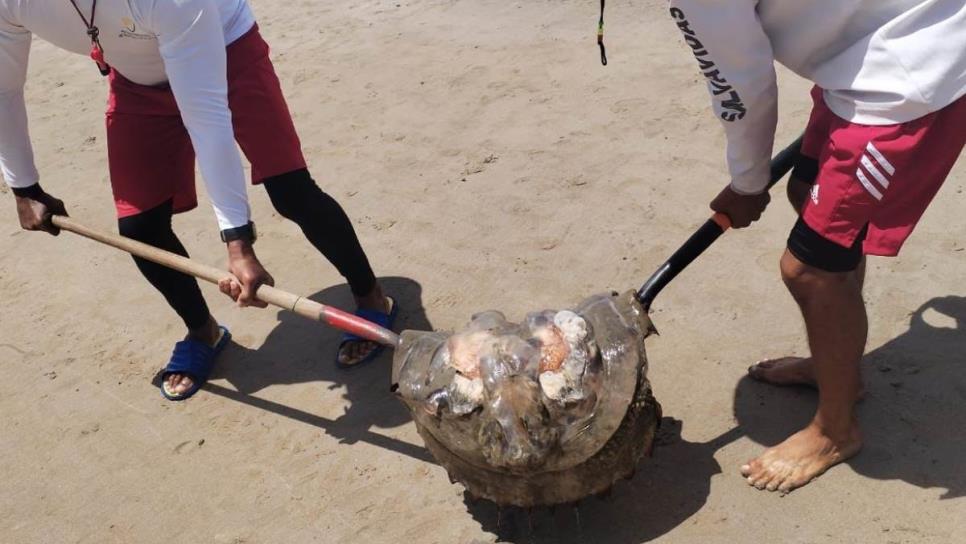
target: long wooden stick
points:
(276, 297)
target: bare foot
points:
(785, 371)
(209, 333)
(352, 353)
(801, 458)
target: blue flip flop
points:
(379, 318)
(195, 359)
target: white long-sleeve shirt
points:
(150, 42)
(880, 62)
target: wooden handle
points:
(266, 293)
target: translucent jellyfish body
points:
(526, 399)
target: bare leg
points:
(837, 327)
(796, 370)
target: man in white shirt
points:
(186, 78)
(886, 129)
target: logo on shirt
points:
(130, 30)
(734, 108)
(815, 194)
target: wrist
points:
(245, 233)
(33, 192)
(240, 249)
(744, 191)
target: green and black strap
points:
(600, 35)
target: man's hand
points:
(743, 210)
(36, 210)
(248, 275)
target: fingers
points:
(36, 214)
(249, 289)
(51, 207)
(224, 285)
(267, 279)
(249, 276)
(33, 217)
(47, 225)
(230, 287)
(54, 207)
(247, 297)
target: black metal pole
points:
(706, 235)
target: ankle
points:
(839, 430)
(373, 299)
(207, 333)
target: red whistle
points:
(98, 55)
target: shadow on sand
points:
(668, 489)
(301, 351)
(912, 417)
(914, 412)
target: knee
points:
(795, 273)
(292, 193)
(805, 281)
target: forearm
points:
(734, 55)
(192, 46)
(16, 152)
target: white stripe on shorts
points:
(880, 158)
(868, 184)
(883, 181)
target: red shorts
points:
(150, 153)
(880, 176)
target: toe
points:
(763, 365)
(349, 353)
(183, 385)
(761, 480)
(759, 369)
(788, 485)
(755, 467)
(753, 472)
(354, 352)
(172, 383)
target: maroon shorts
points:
(880, 176)
(150, 153)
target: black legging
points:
(153, 227)
(296, 197)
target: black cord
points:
(94, 34)
(600, 35)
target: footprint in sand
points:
(189, 446)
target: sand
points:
(488, 161)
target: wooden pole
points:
(276, 297)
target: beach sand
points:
(487, 160)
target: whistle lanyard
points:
(600, 35)
(97, 52)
